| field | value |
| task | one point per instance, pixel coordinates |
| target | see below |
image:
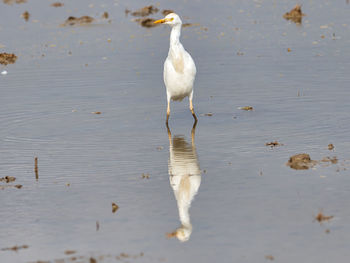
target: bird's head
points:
(183, 233)
(171, 19)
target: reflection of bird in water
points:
(185, 179)
(179, 68)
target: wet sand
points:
(89, 102)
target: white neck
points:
(175, 38)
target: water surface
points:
(248, 204)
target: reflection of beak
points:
(160, 21)
(170, 235)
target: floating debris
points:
(7, 58)
(295, 15)
(74, 21)
(300, 162)
(145, 176)
(4, 72)
(321, 217)
(289, 50)
(18, 186)
(10, 2)
(190, 24)
(209, 114)
(57, 4)
(115, 207)
(159, 148)
(8, 179)
(145, 11)
(273, 144)
(166, 12)
(105, 15)
(92, 260)
(247, 108)
(97, 225)
(125, 255)
(36, 169)
(127, 11)
(96, 112)
(146, 22)
(333, 160)
(330, 147)
(14, 248)
(26, 15)
(269, 257)
(69, 252)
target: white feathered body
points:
(179, 69)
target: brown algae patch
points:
(7, 58)
(247, 108)
(115, 207)
(190, 24)
(3, 187)
(105, 15)
(145, 11)
(69, 252)
(26, 16)
(273, 144)
(166, 12)
(322, 218)
(145, 176)
(269, 257)
(8, 179)
(57, 4)
(296, 15)
(15, 248)
(10, 2)
(301, 161)
(78, 21)
(333, 160)
(146, 22)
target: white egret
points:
(179, 68)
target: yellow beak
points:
(161, 21)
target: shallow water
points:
(246, 204)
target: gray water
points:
(245, 204)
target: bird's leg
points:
(167, 112)
(192, 110)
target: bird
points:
(179, 68)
